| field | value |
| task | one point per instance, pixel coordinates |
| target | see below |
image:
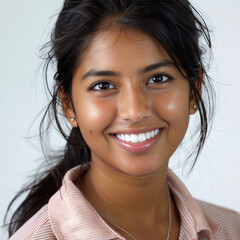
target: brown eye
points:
(100, 86)
(159, 78)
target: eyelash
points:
(159, 75)
(91, 88)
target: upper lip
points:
(134, 131)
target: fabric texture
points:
(68, 215)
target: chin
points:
(140, 168)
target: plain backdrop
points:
(25, 26)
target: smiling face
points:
(131, 103)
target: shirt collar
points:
(71, 215)
(193, 221)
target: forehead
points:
(126, 47)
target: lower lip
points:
(139, 147)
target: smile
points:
(135, 138)
(138, 143)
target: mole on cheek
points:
(90, 132)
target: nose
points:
(134, 104)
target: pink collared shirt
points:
(68, 215)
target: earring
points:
(195, 107)
(72, 119)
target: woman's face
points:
(131, 103)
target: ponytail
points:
(46, 183)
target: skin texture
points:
(130, 188)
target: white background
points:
(24, 27)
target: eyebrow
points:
(99, 73)
(157, 65)
(96, 73)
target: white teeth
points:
(127, 138)
(142, 137)
(119, 136)
(156, 132)
(152, 133)
(123, 137)
(135, 138)
(148, 135)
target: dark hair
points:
(178, 27)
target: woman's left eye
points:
(159, 78)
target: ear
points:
(194, 103)
(67, 108)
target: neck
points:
(143, 199)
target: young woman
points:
(129, 73)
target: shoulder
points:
(37, 227)
(219, 214)
(228, 221)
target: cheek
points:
(94, 116)
(173, 108)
